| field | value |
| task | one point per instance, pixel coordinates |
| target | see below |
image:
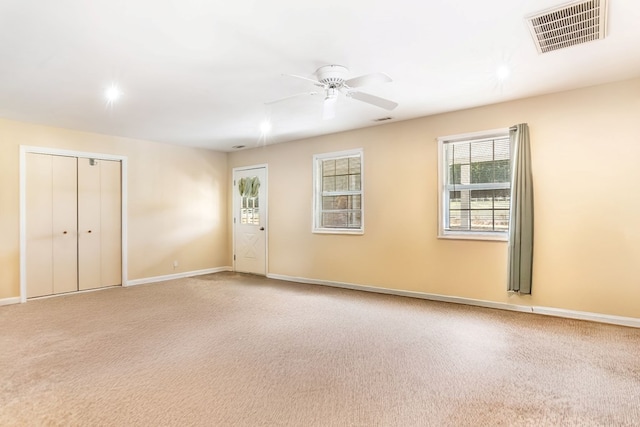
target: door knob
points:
(64, 232)
(89, 231)
(261, 228)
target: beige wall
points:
(585, 150)
(177, 201)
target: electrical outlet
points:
(175, 264)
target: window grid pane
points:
(477, 163)
(341, 211)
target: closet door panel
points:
(39, 224)
(65, 223)
(89, 246)
(73, 219)
(110, 223)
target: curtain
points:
(521, 212)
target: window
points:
(249, 188)
(338, 193)
(475, 185)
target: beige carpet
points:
(236, 350)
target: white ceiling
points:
(198, 72)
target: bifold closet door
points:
(99, 223)
(51, 218)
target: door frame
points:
(234, 200)
(24, 149)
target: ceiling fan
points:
(332, 79)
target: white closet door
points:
(39, 203)
(110, 223)
(51, 224)
(99, 260)
(65, 224)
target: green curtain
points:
(249, 187)
(521, 213)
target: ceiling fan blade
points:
(368, 79)
(373, 100)
(329, 108)
(289, 97)
(315, 82)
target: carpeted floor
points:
(236, 350)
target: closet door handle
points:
(64, 232)
(89, 231)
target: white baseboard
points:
(9, 301)
(547, 311)
(585, 315)
(176, 276)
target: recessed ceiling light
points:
(265, 127)
(503, 72)
(112, 94)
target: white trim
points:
(266, 213)
(546, 311)
(124, 224)
(489, 186)
(317, 192)
(156, 279)
(496, 236)
(442, 188)
(585, 315)
(471, 136)
(81, 291)
(442, 214)
(70, 153)
(9, 301)
(23, 223)
(357, 232)
(24, 149)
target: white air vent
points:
(568, 25)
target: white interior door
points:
(73, 224)
(88, 224)
(51, 225)
(65, 223)
(110, 222)
(98, 223)
(250, 220)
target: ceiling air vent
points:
(568, 25)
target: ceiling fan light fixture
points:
(332, 80)
(332, 75)
(331, 95)
(329, 106)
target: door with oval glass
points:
(250, 220)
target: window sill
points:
(337, 231)
(495, 237)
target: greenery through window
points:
(338, 194)
(476, 191)
(250, 210)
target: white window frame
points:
(318, 193)
(443, 198)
